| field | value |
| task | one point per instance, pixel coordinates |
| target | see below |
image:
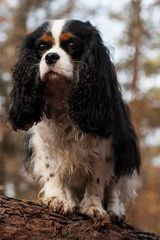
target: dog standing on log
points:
(81, 145)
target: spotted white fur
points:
(74, 170)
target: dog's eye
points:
(72, 46)
(42, 47)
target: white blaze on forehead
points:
(56, 29)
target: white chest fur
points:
(60, 148)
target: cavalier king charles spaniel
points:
(80, 145)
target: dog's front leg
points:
(53, 195)
(91, 204)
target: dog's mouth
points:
(52, 75)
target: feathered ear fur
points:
(27, 101)
(92, 98)
(96, 105)
(125, 143)
(27, 97)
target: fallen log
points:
(26, 220)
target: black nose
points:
(51, 58)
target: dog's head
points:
(70, 51)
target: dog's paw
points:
(116, 212)
(58, 205)
(116, 218)
(93, 211)
(92, 207)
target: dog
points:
(81, 145)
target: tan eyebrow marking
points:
(47, 38)
(66, 36)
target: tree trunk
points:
(136, 43)
(23, 220)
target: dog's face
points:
(59, 46)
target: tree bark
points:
(23, 220)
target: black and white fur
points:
(81, 145)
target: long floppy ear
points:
(125, 143)
(96, 105)
(27, 98)
(91, 99)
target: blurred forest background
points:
(130, 28)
